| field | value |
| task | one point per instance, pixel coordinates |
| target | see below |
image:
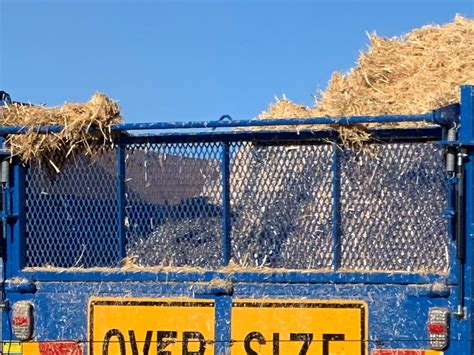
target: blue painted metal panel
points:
(223, 322)
(397, 314)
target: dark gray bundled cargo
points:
(391, 198)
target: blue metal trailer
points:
(234, 237)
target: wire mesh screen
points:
(283, 207)
(392, 201)
(71, 217)
(173, 209)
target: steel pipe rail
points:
(446, 116)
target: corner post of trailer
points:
(465, 240)
(16, 248)
(4, 203)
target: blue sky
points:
(193, 60)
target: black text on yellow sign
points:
(186, 327)
(312, 328)
(151, 326)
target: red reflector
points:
(398, 352)
(20, 321)
(437, 328)
(60, 348)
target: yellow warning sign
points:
(142, 326)
(271, 327)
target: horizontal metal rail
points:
(280, 137)
(278, 276)
(446, 116)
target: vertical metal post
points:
(336, 208)
(222, 325)
(465, 240)
(450, 211)
(5, 196)
(226, 222)
(121, 200)
(16, 226)
(5, 200)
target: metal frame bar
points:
(313, 136)
(275, 276)
(449, 214)
(443, 116)
(121, 200)
(226, 222)
(16, 226)
(222, 330)
(283, 136)
(336, 208)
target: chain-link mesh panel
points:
(392, 203)
(174, 204)
(281, 206)
(71, 217)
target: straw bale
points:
(410, 74)
(54, 149)
(285, 108)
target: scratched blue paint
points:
(237, 276)
(397, 313)
(223, 323)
